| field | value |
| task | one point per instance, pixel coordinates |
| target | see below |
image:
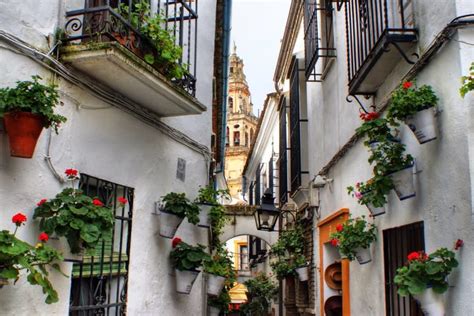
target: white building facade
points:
(129, 131)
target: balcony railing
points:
(101, 21)
(379, 33)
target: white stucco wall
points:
(110, 144)
(443, 183)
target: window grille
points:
(283, 159)
(295, 142)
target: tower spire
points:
(235, 49)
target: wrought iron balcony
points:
(111, 42)
(379, 33)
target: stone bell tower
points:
(241, 125)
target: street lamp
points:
(267, 214)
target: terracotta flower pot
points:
(23, 129)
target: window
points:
(282, 160)
(270, 174)
(295, 144)
(398, 243)
(247, 139)
(231, 105)
(251, 198)
(236, 138)
(99, 282)
(227, 136)
(244, 258)
(251, 134)
(258, 185)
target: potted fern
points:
(416, 107)
(425, 277)
(84, 221)
(353, 239)
(187, 260)
(175, 207)
(208, 202)
(27, 109)
(17, 255)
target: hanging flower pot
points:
(3, 282)
(204, 219)
(403, 183)
(185, 280)
(23, 129)
(169, 224)
(375, 211)
(431, 303)
(215, 284)
(363, 255)
(423, 125)
(303, 273)
(213, 311)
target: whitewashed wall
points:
(443, 184)
(110, 144)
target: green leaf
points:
(90, 233)
(150, 59)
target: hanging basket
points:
(376, 211)
(423, 125)
(185, 280)
(431, 303)
(169, 224)
(363, 255)
(23, 129)
(303, 273)
(3, 282)
(215, 284)
(204, 219)
(403, 183)
(213, 311)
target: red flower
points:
(339, 227)
(42, 202)
(459, 243)
(334, 242)
(122, 200)
(413, 256)
(176, 241)
(19, 219)
(71, 173)
(367, 117)
(43, 237)
(407, 84)
(97, 202)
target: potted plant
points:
(26, 109)
(288, 254)
(218, 270)
(219, 304)
(260, 292)
(186, 260)
(467, 82)
(425, 277)
(416, 107)
(84, 221)
(17, 255)
(372, 193)
(208, 202)
(175, 207)
(353, 239)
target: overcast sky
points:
(257, 29)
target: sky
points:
(257, 30)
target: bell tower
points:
(241, 124)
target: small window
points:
(231, 70)
(227, 136)
(236, 138)
(231, 105)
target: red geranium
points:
(97, 202)
(43, 237)
(122, 200)
(19, 219)
(459, 243)
(367, 117)
(334, 242)
(71, 173)
(414, 256)
(176, 241)
(407, 84)
(339, 227)
(42, 202)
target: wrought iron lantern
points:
(267, 214)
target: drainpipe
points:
(225, 73)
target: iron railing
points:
(295, 132)
(318, 39)
(283, 159)
(398, 243)
(102, 21)
(371, 27)
(99, 282)
(251, 195)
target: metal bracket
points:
(362, 107)
(402, 53)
